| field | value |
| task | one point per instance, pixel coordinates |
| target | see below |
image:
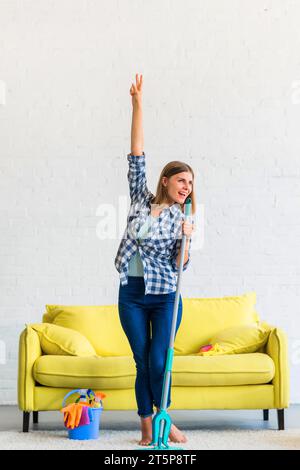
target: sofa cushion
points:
(59, 340)
(89, 372)
(235, 369)
(237, 340)
(104, 373)
(100, 324)
(203, 318)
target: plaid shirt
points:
(159, 249)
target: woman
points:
(147, 261)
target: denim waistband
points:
(134, 282)
(136, 279)
(136, 286)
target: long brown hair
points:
(170, 169)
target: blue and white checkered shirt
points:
(159, 249)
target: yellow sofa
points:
(258, 380)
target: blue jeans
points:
(137, 313)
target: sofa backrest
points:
(100, 324)
(202, 318)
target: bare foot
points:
(176, 435)
(146, 428)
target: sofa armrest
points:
(277, 349)
(29, 351)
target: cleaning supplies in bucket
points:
(82, 418)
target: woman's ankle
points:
(146, 426)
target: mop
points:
(161, 423)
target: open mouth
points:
(182, 195)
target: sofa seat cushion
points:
(119, 372)
(115, 372)
(231, 369)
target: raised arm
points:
(137, 164)
(137, 132)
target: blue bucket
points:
(86, 431)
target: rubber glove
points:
(72, 414)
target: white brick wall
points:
(221, 91)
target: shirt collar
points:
(175, 208)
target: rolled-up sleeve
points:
(137, 178)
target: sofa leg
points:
(26, 419)
(280, 417)
(266, 415)
(35, 417)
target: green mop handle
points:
(169, 361)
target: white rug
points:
(113, 440)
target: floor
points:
(11, 418)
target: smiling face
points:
(178, 186)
